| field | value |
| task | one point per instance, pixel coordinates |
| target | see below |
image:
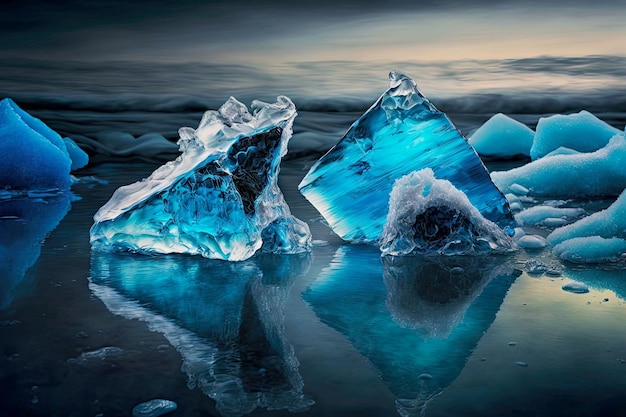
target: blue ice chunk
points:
(401, 133)
(225, 319)
(219, 199)
(79, 157)
(24, 225)
(34, 156)
(587, 174)
(582, 132)
(430, 216)
(503, 137)
(415, 319)
(154, 408)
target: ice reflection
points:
(24, 223)
(417, 320)
(226, 319)
(613, 279)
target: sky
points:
(281, 31)
(316, 46)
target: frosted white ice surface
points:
(431, 216)
(593, 174)
(547, 215)
(599, 237)
(582, 132)
(502, 136)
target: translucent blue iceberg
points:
(225, 319)
(34, 157)
(401, 133)
(415, 319)
(219, 199)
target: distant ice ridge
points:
(33, 156)
(430, 216)
(219, 198)
(400, 134)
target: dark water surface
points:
(338, 332)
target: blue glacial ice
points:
(219, 198)
(582, 132)
(435, 308)
(597, 238)
(568, 175)
(502, 137)
(430, 216)
(225, 319)
(34, 157)
(401, 133)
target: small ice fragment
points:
(154, 408)
(576, 287)
(512, 343)
(518, 189)
(521, 363)
(532, 242)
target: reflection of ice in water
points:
(415, 319)
(225, 319)
(24, 223)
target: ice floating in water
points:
(576, 287)
(401, 133)
(502, 136)
(34, 157)
(430, 216)
(219, 199)
(548, 215)
(581, 132)
(593, 174)
(600, 237)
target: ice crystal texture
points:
(219, 199)
(401, 133)
(34, 157)
(430, 216)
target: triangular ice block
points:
(401, 133)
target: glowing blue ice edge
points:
(219, 199)
(400, 134)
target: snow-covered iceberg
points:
(401, 133)
(430, 216)
(502, 137)
(219, 198)
(34, 157)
